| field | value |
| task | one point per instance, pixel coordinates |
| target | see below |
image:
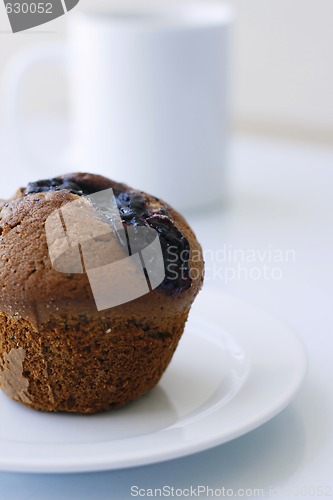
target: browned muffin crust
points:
(86, 365)
(57, 352)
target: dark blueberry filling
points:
(176, 253)
(175, 247)
(134, 211)
(53, 185)
(132, 207)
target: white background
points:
(282, 70)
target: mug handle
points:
(15, 73)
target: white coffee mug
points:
(148, 97)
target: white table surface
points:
(280, 200)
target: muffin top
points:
(34, 289)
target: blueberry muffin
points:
(70, 340)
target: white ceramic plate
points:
(235, 368)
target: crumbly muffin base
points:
(83, 364)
